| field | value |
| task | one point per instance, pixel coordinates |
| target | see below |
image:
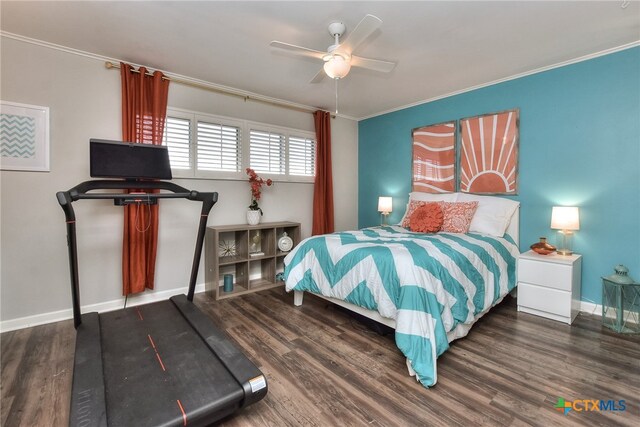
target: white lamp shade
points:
(565, 218)
(384, 204)
(337, 67)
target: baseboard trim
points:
(149, 297)
(591, 308)
(56, 316)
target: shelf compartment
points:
(292, 231)
(232, 244)
(266, 272)
(240, 272)
(227, 251)
(279, 265)
(262, 240)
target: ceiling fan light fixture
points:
(337, 67)
(338, 57)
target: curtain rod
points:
(111, 65)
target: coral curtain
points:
(323, 189)
(144, 110)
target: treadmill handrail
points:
(81, 191)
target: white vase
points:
(253, 217)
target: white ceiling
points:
(440, 47)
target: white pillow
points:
(493, 214)
(428, 197)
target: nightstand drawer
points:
(547, 274)
(544, 299)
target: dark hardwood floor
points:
(325, 369)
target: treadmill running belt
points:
(158, 372)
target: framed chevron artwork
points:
(489, 153)
(24, 137)
(434, 158)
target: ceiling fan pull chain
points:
(336, 95)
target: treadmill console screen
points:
(127, 160)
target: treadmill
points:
(159, 364)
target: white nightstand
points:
(549, 285)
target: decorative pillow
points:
(457, 216)
(418, 196)
(411, 208)
(427, 218)
(493, 214)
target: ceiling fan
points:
(339, 57)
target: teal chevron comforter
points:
(432, 285)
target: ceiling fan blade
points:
(372, 64)
(319, 77)
(364, 29)
(298, 50)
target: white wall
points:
(84, 102)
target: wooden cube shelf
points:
(249, 252)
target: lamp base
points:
(383, 217)
(565, 244)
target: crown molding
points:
(255, 96)
(513, 77)
(296, 105)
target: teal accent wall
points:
(579, 146)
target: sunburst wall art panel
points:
(434, 158)
(489, 153)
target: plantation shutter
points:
(176, 138)
(215, 147)
(267, 152)
(302, 156)
(218, 147)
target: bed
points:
(431, 288)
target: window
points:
(302, 156)
(218, 147)
(206, 146)
(203, 146)
(176, 138)
(283, 153)
(267, 152)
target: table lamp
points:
(567, 220)
(384, 207)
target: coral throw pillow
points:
(427, 218)
(457, 216)
(411, 208)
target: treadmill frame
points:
(88, 401)
(81, 192)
